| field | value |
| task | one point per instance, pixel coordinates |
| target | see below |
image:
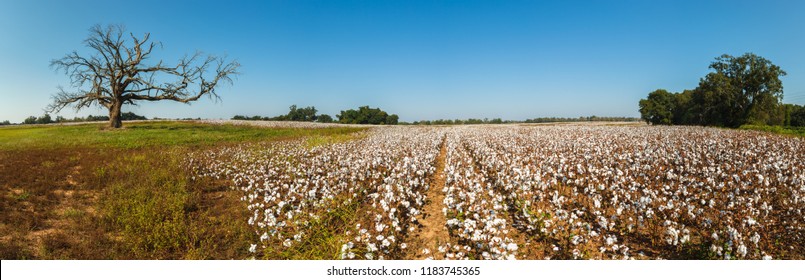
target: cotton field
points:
(524, 192)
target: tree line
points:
(46, 119)
(740, 90)
(534, 120)
(363, 115)
(306, 114)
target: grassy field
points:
(789, 130)
(146, 134)
(84, 192)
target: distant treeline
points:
(457, 121)
(534, 120)
(363, 115)
(744, 90)
(367, 115)
(583, 119)
(46, 119)
(306, 114)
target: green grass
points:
(787, 130)
(148, 134)
(138, 199)
(148, 207)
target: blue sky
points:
(418, 59)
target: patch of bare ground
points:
(47, 205)
(55, 205)
(432, 231)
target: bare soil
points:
(432, 231)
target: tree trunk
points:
(114, 115)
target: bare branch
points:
(118, 73)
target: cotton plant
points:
(535, 192)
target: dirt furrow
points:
(432, 231)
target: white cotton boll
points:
(486, 255)
(602, 222)
(742, 250)
(755, 238)
(672, 237)
(287, 243)
(611, 239)
(252, 248)
(512, 247)
(715, 249)
(575, 240)
(685, 237)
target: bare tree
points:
(117, 73)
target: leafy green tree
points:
(45, 119)
(129, 116)
(744, 89)
(29, 120)
(797, 117)
(682, 114)
(658, 108)
(740, 90)
(365, 115)
(91, 118)
(324, 118)
(6, 122)
(307, 114)
(392, 119)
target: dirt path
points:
(432, 231)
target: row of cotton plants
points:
(646, 192)
(289, 187)
(477, 213)
(527, 192)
